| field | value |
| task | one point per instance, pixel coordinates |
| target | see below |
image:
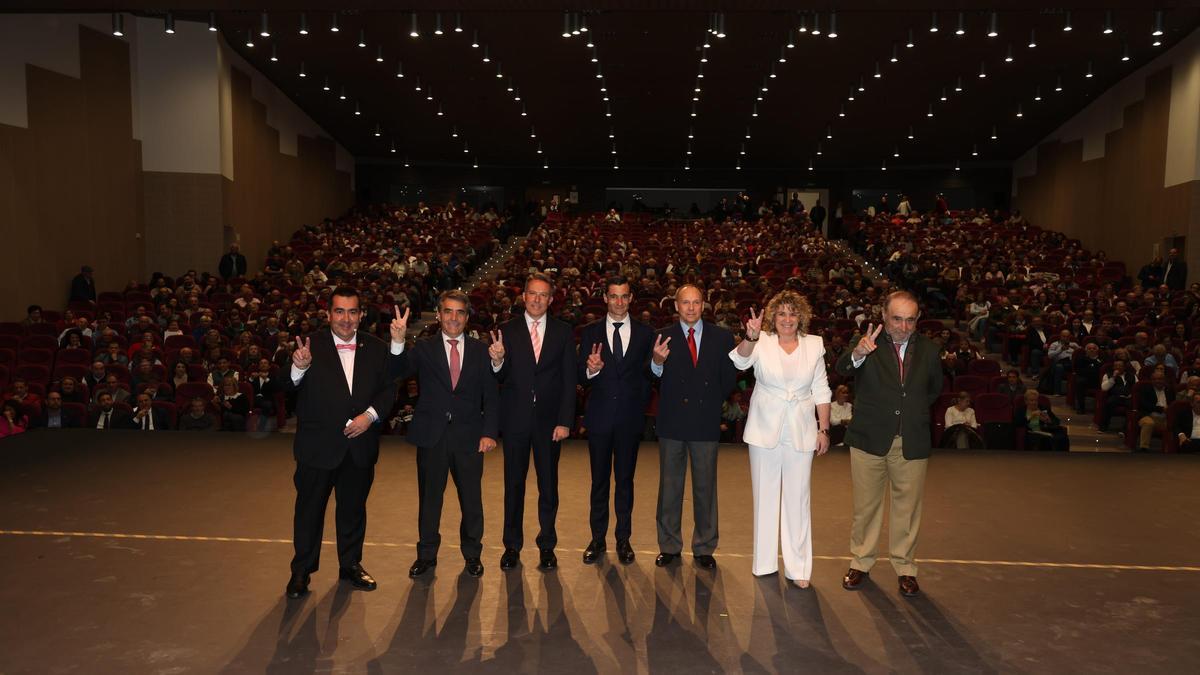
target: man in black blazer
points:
(1174, 271)
(691, 360)
(341, 379)
(53, 415)
(1152, 405)
(1187, 427)
(535, 363)
(146, 417)
(107, 415)
(616, 351)
(233, 264)
(456, 420)
(896, 381)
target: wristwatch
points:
(823, 431)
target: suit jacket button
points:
(897, 412)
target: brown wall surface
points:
(273, 194)
(183, 221)
(1117, 202)
(70, 184)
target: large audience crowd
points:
(204, 351)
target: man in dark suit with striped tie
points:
(456, 420)
(691, 360)
(534, 360)
(616, 350)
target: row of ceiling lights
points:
(575, 24)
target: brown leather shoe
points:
(854, 579)
(909, 587)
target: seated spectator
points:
(1059, 353)
(841, 411)
(961, 427)
(172, 329)
(1087, 375)
(1161, 357)
(112, 354)
(732, 413)
(31, 403)
(113, 387)
(12, 421)
(72, 338)
(1118, 386)
(1192, 387)
(147, 340)
(71, 391)
(146, 417)
(222, 371)
(264, 387)
(1012, 386)
(53, 415)
(33, 314)
(1036, 339)
(406, 403)
(1152, 406)
(197, 417)
(106, 415)
(1187, 427)
(1043, 431)
(233, 406)
(144, 378)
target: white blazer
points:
(774, 397)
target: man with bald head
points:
(897, 377)
(695, 375)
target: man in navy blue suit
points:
(617, 350)
(691, 360)
(455, 422)
(534, 359)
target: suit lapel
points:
(359, 358)
(437, 354)
(326, 343)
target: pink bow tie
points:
(350, 347)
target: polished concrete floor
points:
(125, 553)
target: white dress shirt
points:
(626, 335)
(346, 356)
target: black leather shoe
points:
(474, 567)
(625, 552)
(421, 567)
(297, 586)
(707, 562)
(665, 559)
(594, 552)
(909, 587)
(358, 577)
(548, 560)
(510, 559)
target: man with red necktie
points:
(456, 420)
(691, 361)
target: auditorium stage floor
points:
(129, 554)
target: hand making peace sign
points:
(594, 362)
(867, 344)
(302, 357)
(399, 325)
(496, 349)
(661, 352)
(754, 325)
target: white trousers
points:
(775, 473)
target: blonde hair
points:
(787, 298)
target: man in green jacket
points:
(897, 378)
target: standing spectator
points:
(1175, 272)
(233, 264)
(817, 215)
(83, 286)
(695, 376)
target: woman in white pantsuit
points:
(788, 423)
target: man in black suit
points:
(233, 264)
(617, 349)
(146, 417)
(342, 382)
(83, 286)
(1175, 271)
(107, 415)
(691, 360)
(1036, 339)
(534, 359)
(456, 420)
(1152, 405)
(53, 416)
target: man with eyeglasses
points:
(896, 381)
(613, 355)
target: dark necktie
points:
(899, 360)
(146, 423)
(692, 346)
(105, 424)
(618, 349)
